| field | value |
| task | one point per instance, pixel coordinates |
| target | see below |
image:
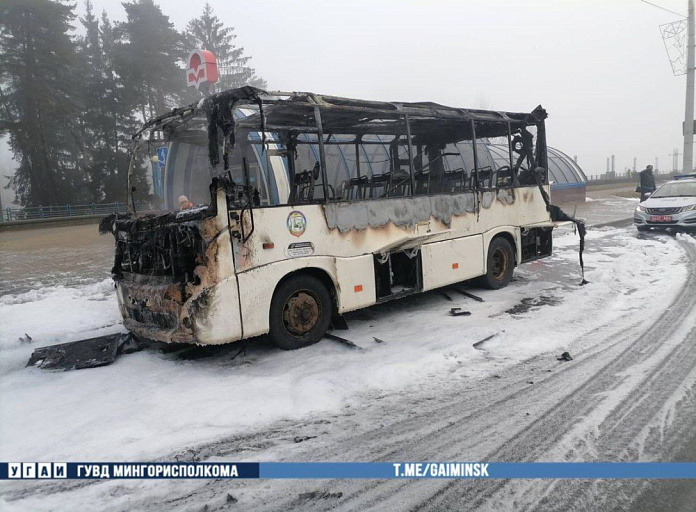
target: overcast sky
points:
(599, 67)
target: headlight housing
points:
(689, 208)
(640, 208)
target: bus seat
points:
(454, 181)
(379, 184)
(357, 187)
(486, 177)
(422, 183)
(504, 177)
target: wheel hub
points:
(500, 263)
(301, 313)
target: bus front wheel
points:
(501, 263)
(300, 312)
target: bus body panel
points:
(314, 246)
(452, 261)
(356, 286)
(256, 288)
(214, 312)
(233, 300)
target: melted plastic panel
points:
(410, 211)
(76, 355)
(505, 196)
(401, 212)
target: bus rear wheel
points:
(300, 312)
(501, 263)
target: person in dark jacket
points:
(646, 185)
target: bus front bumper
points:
(178, 313)
(155, 311)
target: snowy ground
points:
(424, 393)
(150, 406)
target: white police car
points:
(673, 205)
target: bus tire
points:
(300, 312)
(500, 264)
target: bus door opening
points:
(398, 274)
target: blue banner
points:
(348, 470)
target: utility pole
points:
(689, 111)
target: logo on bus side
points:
(297, 223)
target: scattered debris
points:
(470, 295)
(299, 439)
(339, 323)
(241, 351)
(198, 352)
(445, 295)
(168, 348)
(478, 344)
(459, 312)
(565, 356)
(559, 215)
(377, 340)
(532, 304)
(314, 495)
(26, 338)
(189, 455)
(342, 340)
(231, 499)
(76, 355)
(130, 344)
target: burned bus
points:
(300, 207)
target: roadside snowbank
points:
(148, 404)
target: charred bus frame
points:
(236, 268)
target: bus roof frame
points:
(294, 113)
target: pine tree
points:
(91, 121)
(119, 122)
(209, 33)
(147, 56)
(40, 103)
(106, 122)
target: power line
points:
(663, 8)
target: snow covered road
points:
(424, 394)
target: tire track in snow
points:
(669, 345)
(470, 424)
(466, 423)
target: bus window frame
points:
(402, 127)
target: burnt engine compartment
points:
(159, 245)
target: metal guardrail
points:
(68, 210)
